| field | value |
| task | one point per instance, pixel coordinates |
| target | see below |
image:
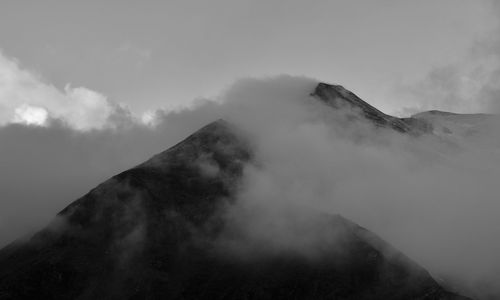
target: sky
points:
(163, 54)
(91, 88)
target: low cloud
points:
(26, 99)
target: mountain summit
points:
(338, 97)
(151, 233)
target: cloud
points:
(26, 98)
(468, 85)
(30, 115)
(463, 87)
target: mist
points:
(434, 197)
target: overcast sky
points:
(91, 88)
(150, 54)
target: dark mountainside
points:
(148, 232)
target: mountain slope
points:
(150, 233)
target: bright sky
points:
(151, 54)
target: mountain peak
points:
(338, 97)
(214, 137)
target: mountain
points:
(446, 123)
(338, 97)
(150, 233)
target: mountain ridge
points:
(338, 97)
